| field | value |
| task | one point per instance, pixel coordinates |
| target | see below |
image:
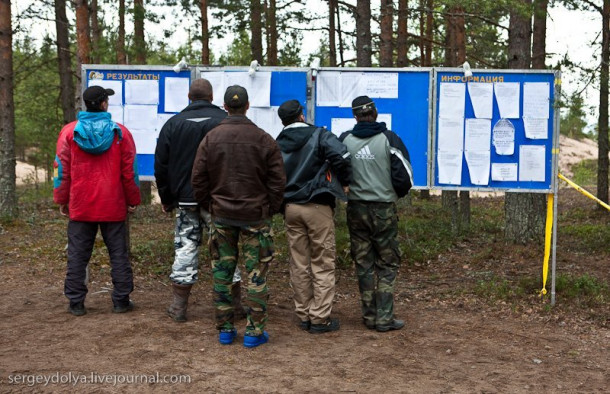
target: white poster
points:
(503, 137)
(340, 125)
(117, 98)
(161, 120)
(116, 113)
(216, 78)
(146, 142)
(258, 86)
(328, 89)
(536, 100)
(478, 166)
(350, 87)
(536, 128)
(142, 92)
(507, 96)
(450, 134)
(481, 95)
(176, 94)
(452, 100)
(504, 172)
(449, 167)
(141, 118)
(532, 163)
(267, 119)
(477, 135)
(379, 85)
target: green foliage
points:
(592, 237)
(585, 289)
(238, 53)
(585, 172)
(573, 120)
(290, 53)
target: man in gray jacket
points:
(318, 170)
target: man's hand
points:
(166, 208)
(63, 209)
(131, 208)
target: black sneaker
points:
(77, 308)
(369, 324)
(395, 324)
(330, 325)
(305, 325)
(123, 308)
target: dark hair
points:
(291, 120)
(368, 115)
(94, 106)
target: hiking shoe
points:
(123, 308)
(77, 308)
(369, 324)
(226, 336)
(395, 324)
(251, 341)
(330, 325)
(305, 325)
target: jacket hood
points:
(368, 129)
(293, 138)
(95, 131)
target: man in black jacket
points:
(174, 156)
(318, 170)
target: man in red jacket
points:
(96, 185)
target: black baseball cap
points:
(236, 96)
(362, 104)
(96, 94)
(290, 109)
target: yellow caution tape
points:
(547, 241)
(583, 191)
(555, 151)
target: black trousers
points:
(81, 237)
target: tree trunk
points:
(332, 46)
(422, 30)
(272, 34)
(66, 84)
(602, 139)
(524, 212)
(386, 52)
(425, 47)
(539, 37)
(256, 30)
(96, 33)
(139, 42)
(363, 33)
(340, 36)
(402, 34)
(460, 42)
(8, 195)
(121, 57)
(205, 35)
(429, 31)
(83, 42)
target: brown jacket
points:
(238, 172)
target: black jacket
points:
(176, 149)
(316, 165)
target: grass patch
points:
(585, 290)
(591, 237)
(502, 289)
(585, 172)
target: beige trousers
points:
(310, 230)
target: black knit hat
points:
(236, 96)
(290, 110)
(362, 104)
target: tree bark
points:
(272, 33)
(8, 195)
(386, 51)
(83, 43)
(96, 33)
(121, 57)
(524, 212)
(429, 31)
(539, 34)
(139, 42)
(332, 46)
(602, 139)
(256, 31)
(205, 35)
(66, 84)
(340, 36)
(402, 34)
(363, 33)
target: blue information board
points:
(531, 164)
(144, 131)
(402, 98)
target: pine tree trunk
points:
(83, 44)
(205, 34)
(524, 213)
(539, 34)
(429, 31)
(256, 27)
(340, 36)
(8, 195)
(332, 46)
(386, 52)
(139, 42)
(66, 84)
(602, 139)
(363, 33)
(402, 34)
(121, 57)
(96, 33)
(272, 32)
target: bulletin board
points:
(268, 88)
(145, 98)
(495, 130)
(402, 100)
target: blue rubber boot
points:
(254, 341)
(226, 337)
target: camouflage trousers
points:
(257, 250)
(373, 229)
(190, 224)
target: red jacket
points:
(96, 187)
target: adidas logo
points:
(365, 153)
